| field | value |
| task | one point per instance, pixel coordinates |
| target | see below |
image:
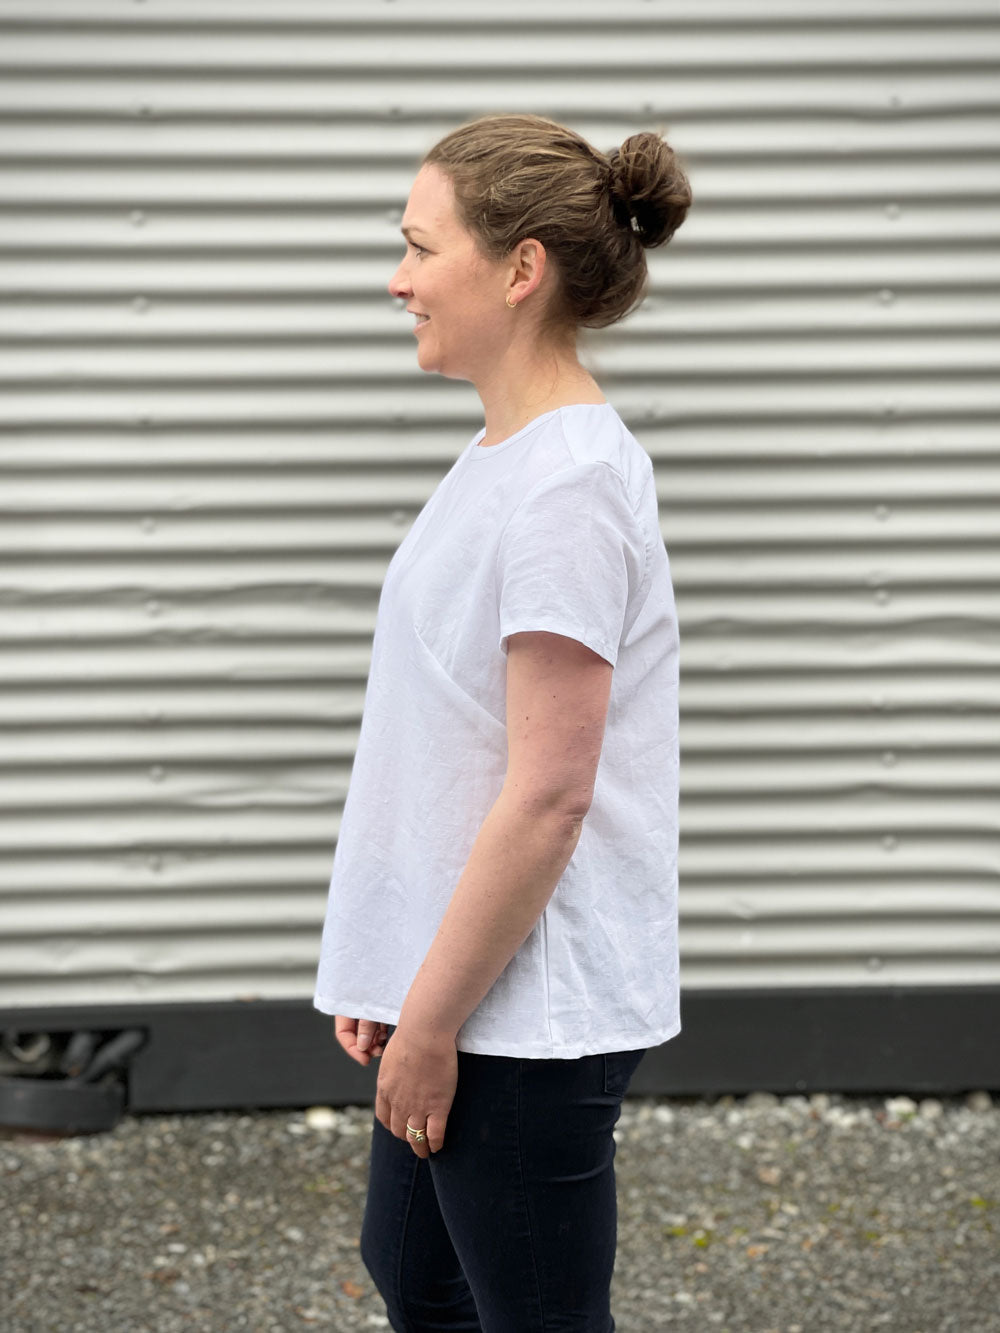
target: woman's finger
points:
(379, 1040)
(346, 1030)
(420, 1146)
(383, 1111)
(398, 1123)
(366, 1033)
(435, 1132)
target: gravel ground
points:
(755, 1215)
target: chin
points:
(426, 361)
(434, 366)
(433, 361)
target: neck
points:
(524, 383)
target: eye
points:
(417, 247)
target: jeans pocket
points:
(619, 1066)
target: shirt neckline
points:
(478, 451)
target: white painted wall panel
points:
(214, 435)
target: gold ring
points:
(417, 1135)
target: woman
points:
(501, 927)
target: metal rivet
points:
(881, 512)
(889, 842)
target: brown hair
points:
(516, 176)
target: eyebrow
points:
(408, 231)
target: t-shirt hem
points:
(552, 626)
(353, 1009)
(619, 1040)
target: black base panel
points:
(283, 1053)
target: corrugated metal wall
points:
(215, 434)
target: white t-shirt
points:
(554, 528)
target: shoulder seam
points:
(604, 462)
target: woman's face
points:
(444, 276)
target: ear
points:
(525, 268)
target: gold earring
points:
(511, 304)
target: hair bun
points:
(649, 190)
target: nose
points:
(398, 284)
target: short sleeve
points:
(570, 559)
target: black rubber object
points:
(60, 1106)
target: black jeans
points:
(512, 1226)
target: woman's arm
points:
(557, 702)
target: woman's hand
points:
(361, 1038)
(416, 1085)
